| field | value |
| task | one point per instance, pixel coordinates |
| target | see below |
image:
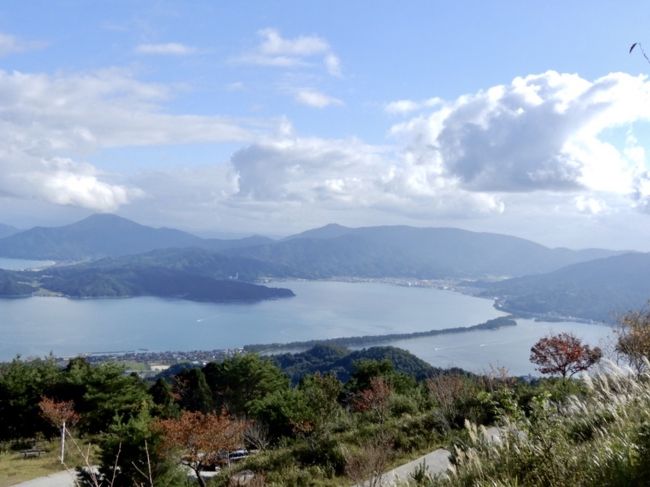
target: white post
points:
(62, 441)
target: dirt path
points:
(436, 462)
(60, 479)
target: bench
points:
(32, 452)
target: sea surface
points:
(321, 309)
(509, 347)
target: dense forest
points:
(132, 281)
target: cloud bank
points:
(552, 142)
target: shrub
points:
(601, 438)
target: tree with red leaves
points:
(202, 439)
(60, 414)
(375, 399)
(563, 354)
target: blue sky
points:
(527, 118)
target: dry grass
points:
(600, 439)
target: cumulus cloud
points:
(348, 173)
(49, 125)
(316, 99)
(61, 181)
(169, 48)
(275, 50)
(540, 132)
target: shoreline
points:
(365, 340)
(459, 286)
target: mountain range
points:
(401, 251)
(104, 235)
(330, 251)
(117, 257)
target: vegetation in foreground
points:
(601, 437)
(328, 427)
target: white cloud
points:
(404, 107)
(61, 181)
(589, 205)
(49, 125)
(278, 51)
(169, 48)
(541, 132)
(316, 99)
(273, 44)
(349, 174)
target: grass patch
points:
(14, 468)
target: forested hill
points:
(599, 290)
(159, 282)
(195, 261)
(400, 251)
(113, 278)
(341, 362)
(12, 286)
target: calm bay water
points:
(509, 347)
(37, 326)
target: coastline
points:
(460, 286)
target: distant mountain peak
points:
(331, 230)
(104, 219)
(99, 235)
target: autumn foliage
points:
(58, 412)
(374, 399)
(202, 439)
(563, 354)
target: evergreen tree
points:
(239, 380)
(193, 391)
